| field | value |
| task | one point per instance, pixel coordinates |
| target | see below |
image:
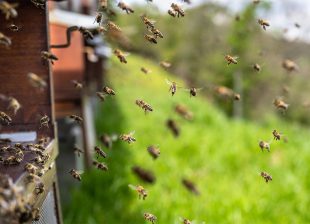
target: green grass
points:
(219, 154)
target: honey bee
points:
(128, 137)
(36, 81)
(123, 6)
(149, 23)
(99, 18)
(185, 221)
(113, 26)
(143, 174)
(231, 59)
(150, 217)
(172, 13)
(157, 32)
(13, 105)
(77, 85)
(13, 27)
(103, 4)
(266, 176)
(290, 65)
(76, 174)
(193, 91)
(165, 64)
(263, 23)
(5, 119)
(87, 34)
(150, 38)
(8, 9)
(107, 140)
(187, 1)
(121, 56)
(101, 96)
(183, 112)
(35, 213)
(100, 152)
(153, 151)
(76, 118)
(280, 104)
(189, 185)
(172, 125)
(177, 9)
(78, 151)
(297, 25)
(256, 67)
(237, 96)
(146, 107)
(30, 168)
(39, 3)
(276, 135)
(264, 145)
(145, 70)
(140, 189)
(173, 87)
(108, 91)
(48, 56)
(100, 166)
(4, 40)
(44, 121)
(40, 188)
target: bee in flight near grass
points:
(77, 84)
(290, 65)
(140, 190)
(143, 174)
(176, 10)
(150, 38)
(231, 59)
(150, 217)
(257, 67)
(145, 106)
(185, 221)
(280, 104)
(266, 176)
(193, 91)
(150, 24)
(189, 185)
(172, 125)
(121, 56)
(145, 70)
(183, 112)
(276, 135)
(100, 166)
(128, 137)
(113, 27)
(165, 64)
(108, 91)
(78, 151)
(173, 87)
(48, 56)
(76, 118)
(76, 174)
(264, 145)
(123, 6)
(263, 23)
(153, 151)
(100, 152)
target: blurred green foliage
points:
(220, 155)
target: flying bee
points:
(103, 4)
(145, 175)
(44, 121)
(107, 140)
(87, 34)
(237, 96)
(48, 56)
(276, 135)
(177, 9)
(13, 105)
(113, 26)
(173, 87)
(123, 6)
(4, 40)
(172, 13)
(8, 9)
(172, 125)
(100, 152)
(231, 59)
(99, 18)
(297, 25)
(165, 64)
(150, 217)
(13, 27)
(280, 104)
(100, 166)
(145, 70)
(40, 188)
(108, 91)
(266, 176)
(76, 118)
(183, 112)
(77, 85)
(121, 56)
(149, 23)
(78, 151)
(263, 23)
(257, 67)
(101, 96)
(76, 174)
(36, 81)
(30, 168)
(223, 91)
(140, 189)
(290, 65)
(150, 38)
(185, 221)
(5, 119)
(189, 185)
(128, 137)
(264, 145)
(157, 32)
(153, 151)
(193, 91)
(146, 107)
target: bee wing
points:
(199, 89)
(133, 187)
(80, 172)
(235, 57)
(126, 54)
(3, 97)
(187, 90)
(132, 133)
(168, 82)
(114, 137)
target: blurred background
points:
(217, 147)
